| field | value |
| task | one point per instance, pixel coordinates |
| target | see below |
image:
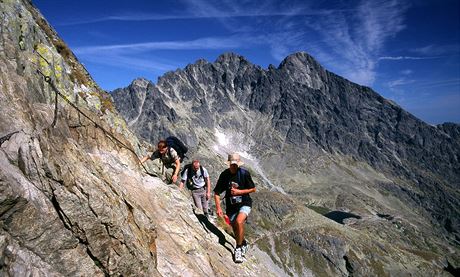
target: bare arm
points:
(176, 171)
(144, 159)
(218, 208)
(236, 192)
(208, 188)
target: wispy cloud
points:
(398, 58)
(202, 43)
(348, 39)
(160, 17)
(454, 83)
(354, 41)
(345, 38)
(451, 49)
(400, 82)
(205, 10)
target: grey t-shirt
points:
(197, 178)
(168, 159)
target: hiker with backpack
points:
(196, 178)
(237, 184)
(168, 156)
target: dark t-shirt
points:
(241, 180)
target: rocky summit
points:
(348, 182)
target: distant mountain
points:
(321, 139)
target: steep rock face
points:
(73, 199)
(133, 105)
(318, 137)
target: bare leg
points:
(238, 228)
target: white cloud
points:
(450, 49)
(398, 58)
(127, 61)
(201, 43)
(198, 9)
(353, 41)
(400, 82)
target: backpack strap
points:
(189, 168)
(178, 156)
(240, 173)
(189, 172)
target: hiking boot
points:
(238, 255)
(244, 249)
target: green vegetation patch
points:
(319, 209)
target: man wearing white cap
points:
(237, 184)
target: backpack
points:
(189, 169)
(178, 145)
(240, 173)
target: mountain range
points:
(348, 182)
(316, 137)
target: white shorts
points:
(244, 209)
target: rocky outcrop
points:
(73, 199)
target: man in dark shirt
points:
(237, 184)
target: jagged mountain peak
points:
(233, 62)
(140, 82)
(230, 57)
(299, 59)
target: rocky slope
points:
(73, 199)
(323, 142)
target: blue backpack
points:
(178, 145)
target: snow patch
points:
(230, 142)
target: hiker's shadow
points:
(209, 227)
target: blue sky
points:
(406, 50)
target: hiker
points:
(197, 179)
(168, 157)
(237, 184)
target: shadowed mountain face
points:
(314, 136)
